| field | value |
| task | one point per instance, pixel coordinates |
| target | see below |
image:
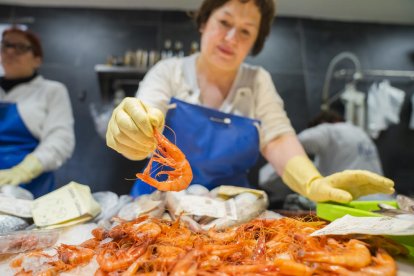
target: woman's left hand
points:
(23, 172)
(349, 185)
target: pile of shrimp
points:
(151, 246)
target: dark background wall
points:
(297, 55)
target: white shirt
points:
(45, 109)
(252, 95)
(384, 107)
(340, 146)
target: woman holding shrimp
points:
(225, 113)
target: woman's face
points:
(229, 34)
(17, 56)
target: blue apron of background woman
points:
(16, 142)
(220, 147)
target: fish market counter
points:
(227, 230)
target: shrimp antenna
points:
(175, 136)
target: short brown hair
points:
(32, 37)
(266, 8)
(326, 116)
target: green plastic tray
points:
(331, 211)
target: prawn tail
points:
(162, 186)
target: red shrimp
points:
(91, 243)
(259, 252)
(100, 233)
(168, 154)
(74, 255)
(187, 265)
(290, 267)
(353, 254)
(115, 259)
(243, 269)
(228, 235)
(382, 265)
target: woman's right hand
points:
(131, 128)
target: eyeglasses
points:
(19, 48)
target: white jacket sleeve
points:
(269, 109)
(160, 83)
(314, 140)
(57, 139)
(45, 108)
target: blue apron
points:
(220, 147)
(16, 142)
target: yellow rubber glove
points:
(131, 128)
(23, 172)
(301, 176)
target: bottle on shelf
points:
(129, 58)
(141, 58)
(178, 49)
(144, 60)
(194, 47)
(153, 57)
(110, 60)
(167, 50)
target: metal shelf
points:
(103, 68)
(112, 78)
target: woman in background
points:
(338, 145)
(226, 112)
(36, 120)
